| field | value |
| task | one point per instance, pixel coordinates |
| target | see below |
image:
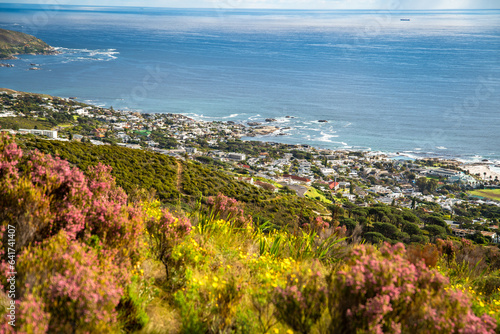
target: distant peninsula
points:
(14, 43)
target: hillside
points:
(15, 42)
(84, 258)
(175, 181)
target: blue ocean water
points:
(428, 86)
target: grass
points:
(24, 123)
(276, 184)
(314, 194)
(493, 194)
(66, 125)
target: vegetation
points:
(17, 123)
(185, 181)
(90, 259)
(14, 42)
(493, 194)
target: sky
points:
(283, 4)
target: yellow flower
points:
(276, 330)
(481, 303)
(289, 331)
(215, 285)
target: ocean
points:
(429, 86)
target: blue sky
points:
(291, 4)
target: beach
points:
(481, 169)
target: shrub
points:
(83, 290)
(132, 306)
(315, 224)
(301, 302)
(41, 195)
(75, 239)
(209, 305)
(165, 233)
(229, 209)
(436, 231)
(382, 292)
(374, 237)
(386, 229)
(428, 253)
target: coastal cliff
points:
(14, 43)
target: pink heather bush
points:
(69, 287)
(382, 292)
(34, 319)
(39, 194)
(42, 195)
(117, 225)
(166, 233)
(301, 302)
(57, 211)
(317, 224)
(229, 209)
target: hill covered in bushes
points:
(88, 258)
(176, 181)
(15, 42)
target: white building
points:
(49, 133)
(237, 156)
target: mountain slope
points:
(159, 173)
(15, 42)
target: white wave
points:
(282, 120)
(471, 159)
(441, 148)
(230, 116)
(347, 125)
(417, 149)
(327, 138)
(251, 118)
(70, 54)
(408, 155)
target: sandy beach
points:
(481, 169)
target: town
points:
(328, 176)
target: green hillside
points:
(175, 181)
(15, 42)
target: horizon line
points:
(247, 8)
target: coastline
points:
(272, 132)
